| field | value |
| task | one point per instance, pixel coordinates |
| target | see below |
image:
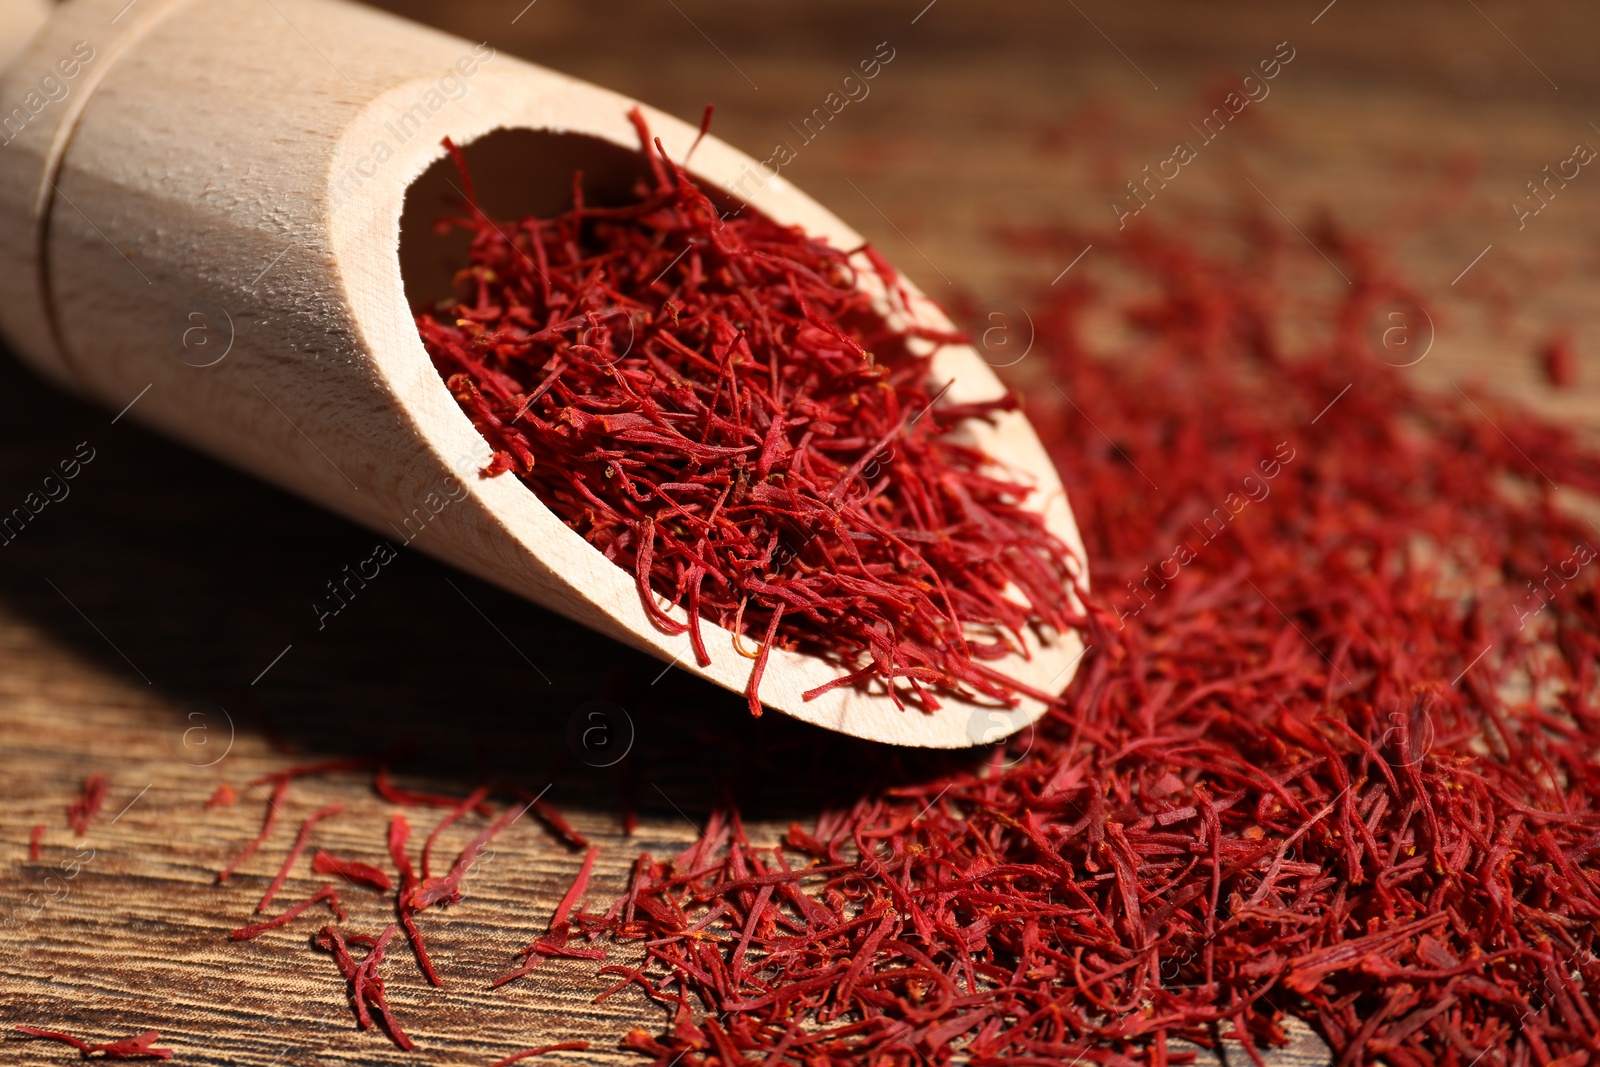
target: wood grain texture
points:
(164, 583)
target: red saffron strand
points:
(1558, 359)
(551, 816)
(224, 797)
(315, 770)
(374, 984)
(431, 891)
(83, 809)
(280, 789)
(35, 838)
(366, 984)
(529, 1053)
(409, 799)
(405, 910)
(705, 128)
(574, 893)
(466, 175)
(554, 941)
(129, 1048)
(351, 870)
(460, 809)
(299, 846)
(293, 912)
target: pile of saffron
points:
(710, 399)
(1334, 755)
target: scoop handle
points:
(19, 20)
(200, 222)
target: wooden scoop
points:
(201, 221)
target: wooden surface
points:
(147, 602)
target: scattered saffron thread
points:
(280, 789)
(351, 870)
(129, 1048)
(300, 840)
(290, 914)
(525, 1054)
(84, 807)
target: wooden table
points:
(158, 618)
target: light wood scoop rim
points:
(385, 323)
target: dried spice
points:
(1558, 359)
(551, 816)
(455, 813)
(224, 797)
(35, 838)
(366, 984)
(554, 941)
(405, 909)
(1335, 753)
(447, 889)
(351, 870)
(413, 895)
(293, 912)
(526, 1054)
(417, 893)
(83, 809)
(408, 799)
(316, 770)
(713, 401)
(129, 1048)
(299, 846)
(280, 789)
